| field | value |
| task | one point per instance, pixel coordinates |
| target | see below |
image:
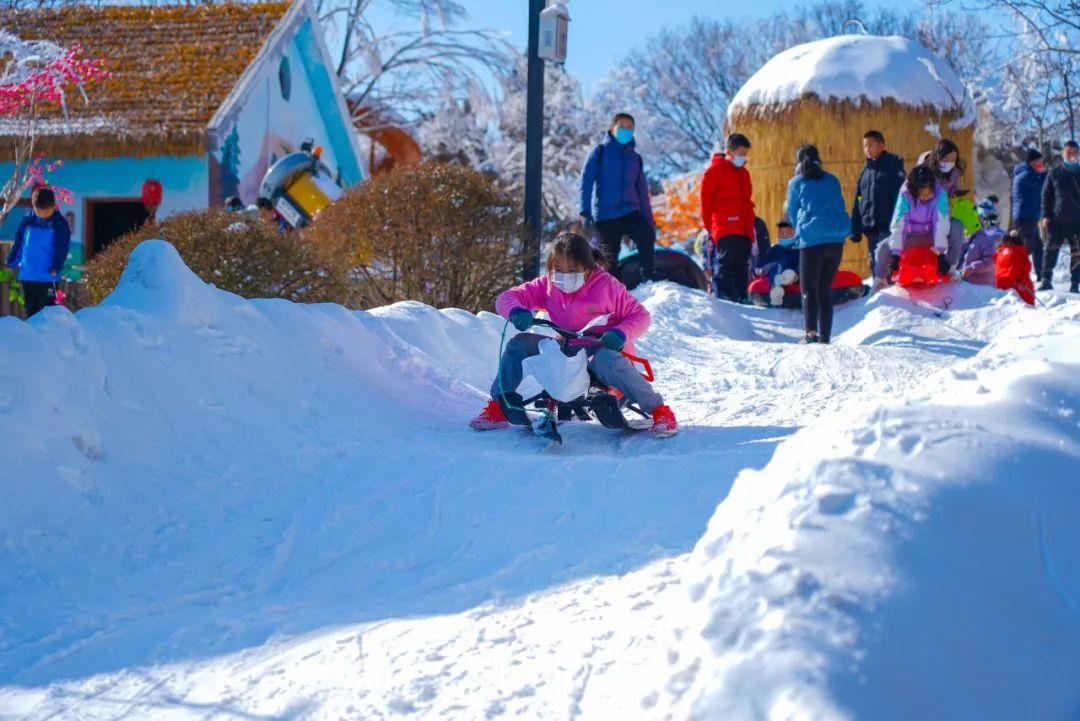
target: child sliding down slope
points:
(575, 290)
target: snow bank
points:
(214, 507)
(920, 561)
(858, 68)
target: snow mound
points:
(920, 561)
(216, 507)
(858, 68)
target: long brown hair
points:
(576, 249)
(943, 148)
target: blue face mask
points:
(1071, 166)
(624, 135)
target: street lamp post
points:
(547, 41)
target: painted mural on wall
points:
(280, 113)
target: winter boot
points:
(1045, 285)
(489, 419)
(788, 277)
(664, 423)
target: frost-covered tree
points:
(490, 135)
(681, 81)
(36, 77)
(408, 66)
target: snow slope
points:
(219, 508)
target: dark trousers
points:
(730, 274)
(640, 231)
(1059, 235)
(1029, 231)
(817, 268)
(37, 295)
(873, 238)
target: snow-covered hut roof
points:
(859, 69)
(171, 69)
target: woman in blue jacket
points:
(815, 205)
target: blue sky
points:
(601, 31)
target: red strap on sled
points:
(648, 374)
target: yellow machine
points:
(300, 186)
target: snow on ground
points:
(215, 508)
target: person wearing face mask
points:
(1027, 184)
(944, 160)
(921, 220)
(575, 290)
(615, 196)
(1061, 216)
(727, 212)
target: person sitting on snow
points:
(575, 290)
(1012, 267)
(921, 220)
(978, 264)
(781, 262)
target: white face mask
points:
(738, 160)
(568, 282)
(946, 167)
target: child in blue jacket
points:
(41, 247)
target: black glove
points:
(521, 319)
(943, 266)
(894, 264)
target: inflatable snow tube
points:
(918, 267)
(847, 285)
(672, 265)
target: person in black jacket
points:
(1061, 216)
(876, 192)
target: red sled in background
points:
(1012, 271)
(918, 266)
(847, 285)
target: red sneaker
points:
(489, 419)
(663, 422)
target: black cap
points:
(1032, 155)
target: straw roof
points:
(829, 93)
(171, 68)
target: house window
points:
(285, 78)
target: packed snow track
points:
(214, 508)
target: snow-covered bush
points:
(441, 233)
(238, 253)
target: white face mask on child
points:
(946, 167)
(568, 282)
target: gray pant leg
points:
(956, 242)
(518, 348)
(882, 260)
(614, 370)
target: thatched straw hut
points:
(829, 93)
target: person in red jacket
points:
(727, 212)
(1012, 267)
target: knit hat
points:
(1032, 155)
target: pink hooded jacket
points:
(602, 294)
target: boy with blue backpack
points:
(41, 247)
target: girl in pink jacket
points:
(576, 289)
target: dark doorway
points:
(107, 220)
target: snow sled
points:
(847, 285)
(918, 267)
(569, 390)
(669, 264)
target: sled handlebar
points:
(647, 374)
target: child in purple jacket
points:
(978, 263)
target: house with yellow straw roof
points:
(199, 102)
